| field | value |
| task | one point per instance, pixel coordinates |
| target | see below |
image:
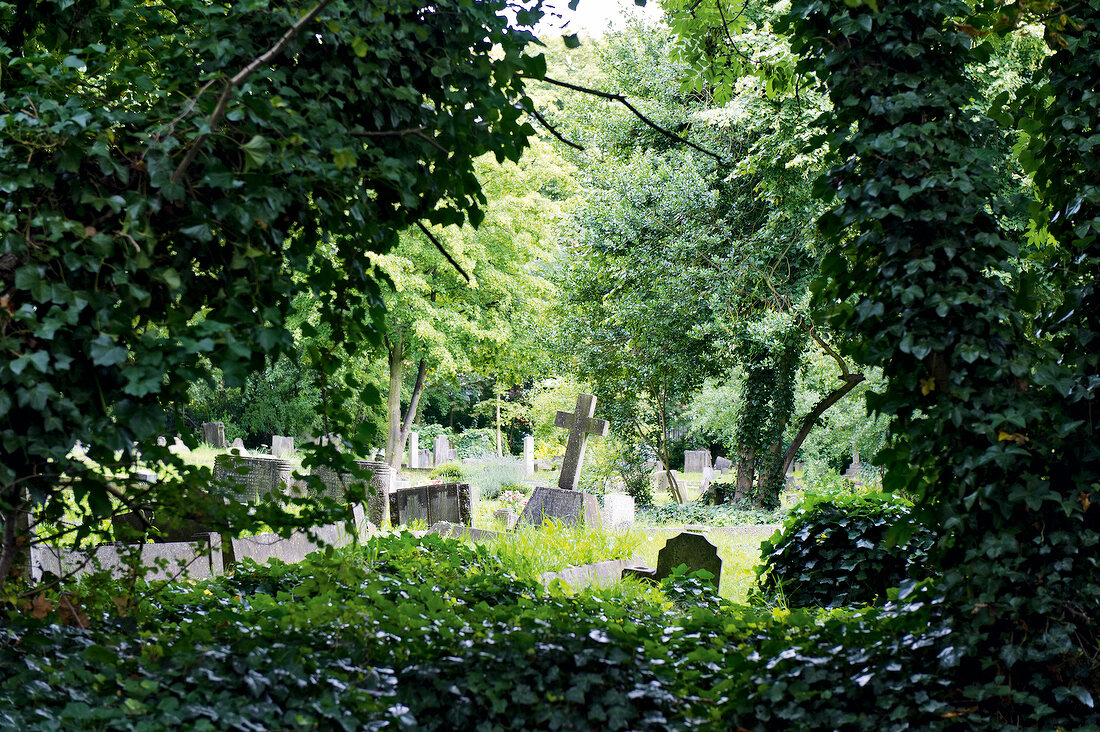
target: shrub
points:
(493, 475)
(475, 443)
(634, 466)
(727, 514)
(843, 550)
(447, 471)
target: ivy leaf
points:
(256, 151)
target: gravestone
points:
(238, 445)
(528, 455)
(581, 423)
(441, 450)
(461, 532)
(723, 464)
(696, 460)
(438, 502)
(377, 487)
(253, 478)
(179, 447)
(281, 446)
(855, 468)
(213, 434)
(452, 454)
(689, 548)
(197, 559)
(618, 510)
(572, 508)
(414, 450)
(425, 458)
(162, 441)
(506, 516)
(299, 544)
(708, 476)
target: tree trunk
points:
(808, 422)
(500, 452)
(393, 402)
(746, 474)
(15, 537)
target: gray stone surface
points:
(572, 508)
(506, 516)
(581, 423)
(722, 463)
(528, 455)
(300, 544)
(198, 559)
(425, 458)
(696, 460)
(162, 441)
(432, 504)
(461, 532)
(441, 450)
(179, 447)
(213, 434)
(281, 446)
(238, 445)
(618, 510)
(253, 478)
(598, 573)
(414, 450)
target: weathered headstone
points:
(598, 573)
(213, 434)
(414, 450)
(238, 445)
(581, 423)
(506, 516)
(162, 441)
(461, 532)
(689, 548)
(722, 464)
(618, 510)
(696, 460)
(425, 458)
(434, 503)
(571, 507)
(253, 478)
(528, 455)
(179, 447)
(281, 446)
(452, 454)
(197, 559)
(441, 450)
(299, 544)
(377, 488)
(855, 468)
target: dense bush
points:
(447, 471)
(843, 550)
(727, 514)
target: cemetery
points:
(521, 365)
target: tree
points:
(449, 325)
(159, 163)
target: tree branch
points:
(626, 103)
(442, 251)
(238, 79)
(553, 130)
(808, 422)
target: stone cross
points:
(581, 423)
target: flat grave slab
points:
(572, 508)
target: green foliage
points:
(447, 471)
(211, 185)
(634, 462)
(726, 514)
(839, 551)
(491, 475)
(990, 388)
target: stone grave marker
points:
(299, 544)
(572, 508)
(723, 464)
(162, 441)
(441, 450)
(197, 559)
(425, 458)
(281, 446)
(689, 548)
(378, 488)
(507, 516)
(528, 455)
(238, 445)
(213, 434)
(434, 503)
(179, 447)
(414, 450)
(618, 510)
(581, 423)
(461, 532)
(254, 478)
(855, 468)
(696, 460)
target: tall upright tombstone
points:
(414, 450)
(441, 450)
(213, 434)
(696, 461)
(281, 446)
(581, 423)
(528, 455)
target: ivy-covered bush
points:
(843, 550)
(726, 514)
